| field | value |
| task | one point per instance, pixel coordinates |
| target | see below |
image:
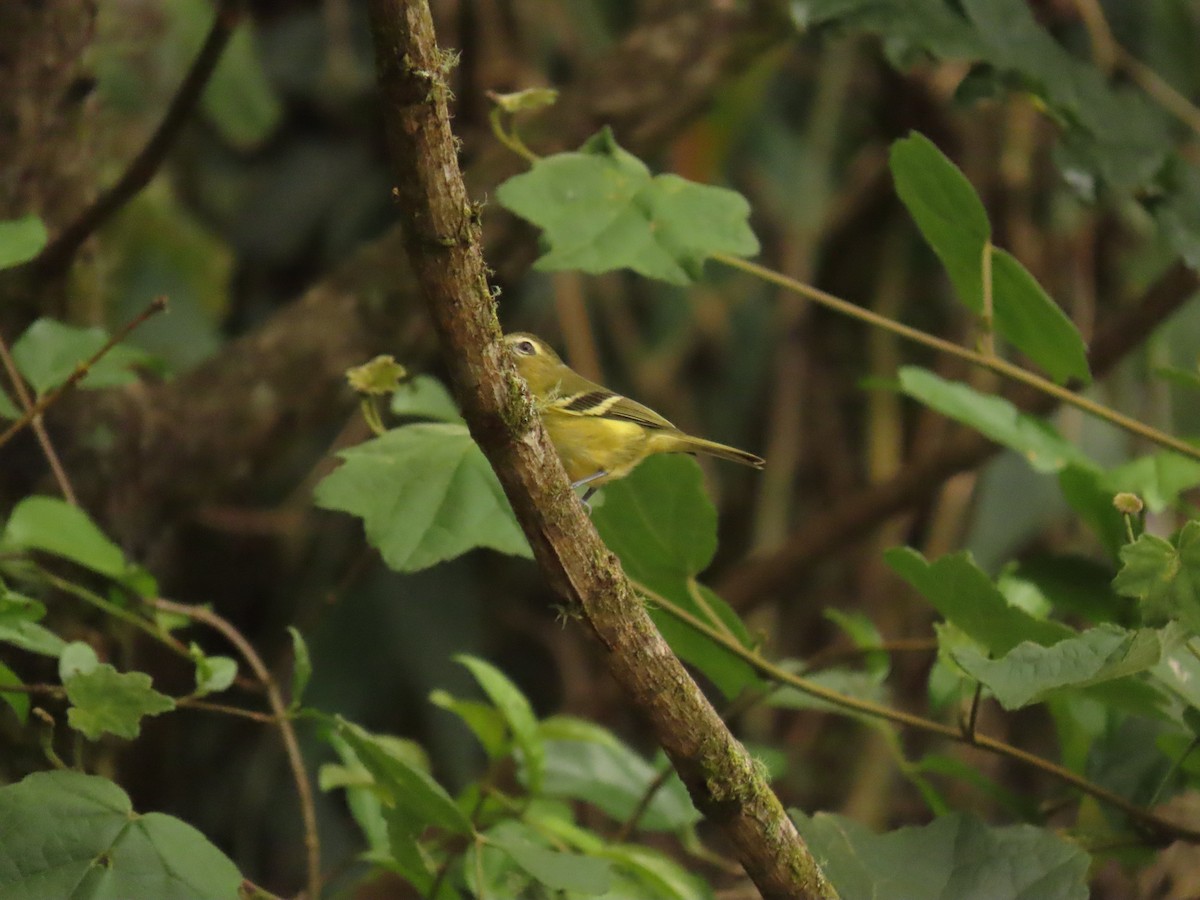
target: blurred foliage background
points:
(271, 230)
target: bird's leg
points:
(587, 495)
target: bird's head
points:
(538, 364)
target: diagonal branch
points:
(58, 254)
(442, 241)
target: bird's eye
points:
(526, 348)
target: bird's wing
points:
(603, 403)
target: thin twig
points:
(993, 363)
(775, 673)
(18, 386)
(225, 709)
(115, 610)
(57, 255)
(157, 305)
(282, 721)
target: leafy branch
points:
(1165, 829)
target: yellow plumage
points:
(601, 435)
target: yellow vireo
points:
(600, 435)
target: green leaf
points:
(517, 712)
(425, 494)
(424, 397)
(18, 625)
(21, 240)
(364, 802)
(1164, 577)
(1084, 488)
(238, 99)
(1018, 805)
(77, 658)
(213, 673)
(107, 701)
(851, 682)
(1158, 479)
(994, 417)
(555, 870)
(75, 837)
(8, 409)
(657, 875)
(1184, 378)
(1071, 585)
(954, 856)
(663, 527)
(609, 775)
(954, 223)
(1030, 672)
(947, 211)
(966, 597)
(1031, 321)
(486, 722)
(406, 784)
(49, 352)
(55, 526)
(17, 701)
(301, 667)
(600, 209)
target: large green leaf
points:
(1034, 439)
(656, 875)
(955, 857)
(1070, 585)
(585, 762)
(72, 836)
(19, 617)
(424, 397)
(1086, 490)
(238, 99)
(555, 870)
(55, 526)
(600, 209)
(516, 710)
(967, 598)
(49, 352)
(1031, 321)
(1030, 672)
(1158, 478)
(955, 225)
(426, 494)
(21, 240)
(18, 701)
(663, 527)
(946, 209)
(1164, 577)
(406, 784)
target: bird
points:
(600, 435)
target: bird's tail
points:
(689, 444)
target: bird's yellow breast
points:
(590, 444)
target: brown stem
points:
(39, 428)
(157, 305)
(442, 238)
(281, 719)
(57, 255)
